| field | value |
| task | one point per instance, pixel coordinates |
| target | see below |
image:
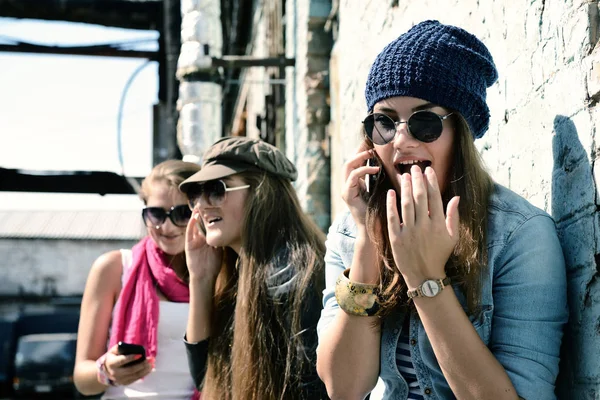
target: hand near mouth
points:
(203, 260)
(423, 240)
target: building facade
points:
(49, 254)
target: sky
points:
(60, 112)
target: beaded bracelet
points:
(101, 372)
(357, 298)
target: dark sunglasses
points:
(210, 193)
(156, 216)
(425, 126)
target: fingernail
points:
(137, 356)
(196, 216)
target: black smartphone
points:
(126, 349)
(370, 179)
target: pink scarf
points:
(135, 318)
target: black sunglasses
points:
(425, 126)
(156, 216)
(212, 192)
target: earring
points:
(157, 227)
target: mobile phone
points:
(126, 349)
(370, 179)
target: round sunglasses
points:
(211, 193)
(156, 216)
(425, 126)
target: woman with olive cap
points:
(441, 284)
(255, 262)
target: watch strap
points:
(418, 292)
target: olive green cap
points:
(234, 154)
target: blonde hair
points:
(171, 172)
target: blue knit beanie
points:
(442, 64)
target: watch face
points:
(430, 288)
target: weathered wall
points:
(307, 104)
(256, 85)
(542, 141)
(50, 267)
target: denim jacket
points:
(523, 299)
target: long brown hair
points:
(256, 350)
(473, 184)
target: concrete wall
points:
(307, 104)
(50, 267)
(256, 85)
(542, 141)
(305, 140)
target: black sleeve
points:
(311, 385)
(197, 356)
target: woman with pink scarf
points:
(141, 296)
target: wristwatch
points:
(429, 288)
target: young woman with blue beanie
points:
(440, 283)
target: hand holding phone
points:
(370, 179)
(128, 348)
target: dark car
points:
(7, 328)
(44, 364)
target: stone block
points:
(316, 99)
(550, 60)
(596, 173)
(515, 31)
(311, 118)
(519, 83)
(577, 283)
(576, 34)
(533, 17)
(565, 92)
(318, 80)
(317, 116)
(318, 64)
(597, 232)
(316, 133)
(585, 345)
(593, 76)
(578, 242)
(322, 115)
(572, 191)
(319, 42)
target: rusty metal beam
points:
(250, 61)
(101, 182)
(78, 51)
(128, 14)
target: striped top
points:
(405, 365)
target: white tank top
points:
(171, 378)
